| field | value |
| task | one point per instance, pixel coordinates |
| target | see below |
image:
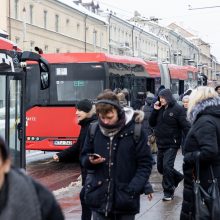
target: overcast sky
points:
(204, 23)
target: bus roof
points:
(151, 68)
(178, 72)
(6, 44)
(90, 57)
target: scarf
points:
(112, 130)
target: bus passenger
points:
(21, 197)
(118, 167)
(85, 115)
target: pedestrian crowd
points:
(118, 144)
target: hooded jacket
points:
(168, 123)
(115, 185)
(203, 137)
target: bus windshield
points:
(75, 90)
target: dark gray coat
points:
(204, 136)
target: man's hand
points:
(97, 159)
(157, 105)
(56, 158)
(150, 196)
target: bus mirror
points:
(43, 65)
(44, 74)
(31, 56)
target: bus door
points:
(12, 115)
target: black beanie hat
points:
(84, 105)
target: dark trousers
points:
(86, 212)
(165, 166)
(99, 216)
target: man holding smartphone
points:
(120, 168)
(168, 120)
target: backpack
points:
(136, 135)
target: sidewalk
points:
(156, 209)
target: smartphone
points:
(95, 156)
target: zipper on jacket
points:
(109, 174)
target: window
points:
(73, 90)
(46, 48)
(31, 14)
(94, 38)
(56, 23)
(17, 39)
(32, 45)
(78, 27)
(45, 19)
(57, 50)
(16, 9)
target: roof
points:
(6, 44)
(83, 10)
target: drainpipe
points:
(9, 19)
(85, 32)
(132, 38)
(109, 34)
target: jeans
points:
(99, 216)
(165, 166)
(86, 212)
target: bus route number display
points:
(78, 83)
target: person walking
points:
(148, 129)
(203, 140)
(21, 197)
(120, 168)
(217, 89)
(85, 115)
(168, 119)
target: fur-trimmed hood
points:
(205, 107)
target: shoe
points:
(168, 197)
(177, 180)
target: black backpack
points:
(136, 135)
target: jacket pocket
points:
(94, 191)
(126, 199)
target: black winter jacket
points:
(169, 123)
(73, 153)
(203, 137)
(115, 185)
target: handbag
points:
(207, 202)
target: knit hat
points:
(84, 105)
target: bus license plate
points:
(62, 143)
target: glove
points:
(191, 157)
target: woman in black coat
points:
(203, 138)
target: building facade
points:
(58, 26)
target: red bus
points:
(51, 123)
(12, 96)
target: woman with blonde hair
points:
(202, 142)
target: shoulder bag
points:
(207, 202)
